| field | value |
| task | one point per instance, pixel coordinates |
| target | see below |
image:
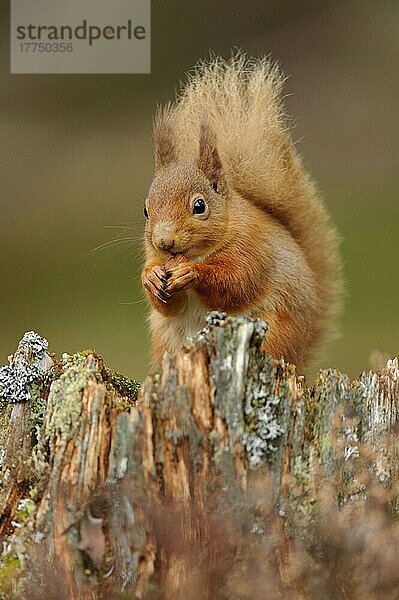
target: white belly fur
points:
(174, 330)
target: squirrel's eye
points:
(145, 212)
(199, 207)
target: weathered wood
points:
(22, 386)
(170, 496)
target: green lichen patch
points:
(127, 387)
(25, 509)
(65, 404)
(14, 557)
(11, 585)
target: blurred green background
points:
(76, 162)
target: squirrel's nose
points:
(166, 244)
(164, 236)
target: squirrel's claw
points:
(154, 280)
(181, 277)
(162, 278)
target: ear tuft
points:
(209, 161)
(165, 151)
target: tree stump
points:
(210, 481)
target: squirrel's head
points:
(186, 208)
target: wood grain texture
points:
(154, 497)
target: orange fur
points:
(264, 245)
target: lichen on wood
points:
(176, 491)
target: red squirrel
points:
(233, 221)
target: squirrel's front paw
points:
(154, 279)
(180, 276)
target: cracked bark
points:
(110, 478)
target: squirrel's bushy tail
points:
(241, 99)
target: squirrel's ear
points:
(165, 151)
(209, 161)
